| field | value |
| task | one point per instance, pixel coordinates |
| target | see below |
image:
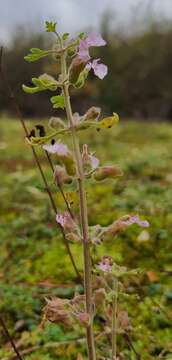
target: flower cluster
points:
(99, 69)
(66, 312)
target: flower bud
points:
(74, 238)
(56, 311)
(56, 123)
(84, 319)
(106, 172)
(66, 222)
(99, 299)
(76, 118)
(76, 67)
(92, 113)
(124, 222)
(61, 176)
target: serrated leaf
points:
(44, 82)
(65, 36)
(50, 26)
(36, 54)
(58, 101)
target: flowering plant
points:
(102, 281)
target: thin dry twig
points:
(10, 339)
(20, 117)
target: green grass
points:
(33, 262)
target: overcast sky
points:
(72, 15)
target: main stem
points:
(83, 215)
(114, 321)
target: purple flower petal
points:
(105, 264)
(104, 267)
(94, 39)
(57, 148)
(66, 221)
(60, 218)
(83, 54)
(100, 70)
(136, 220)
(94, 161)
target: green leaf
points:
(81, 79)
(65, 36)
(82, 35)
(44, 82)
(36, 54)
(29, 90)
(50, 26)
(58, 101)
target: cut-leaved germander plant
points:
(98, 309)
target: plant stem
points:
(83, 214)
(114, 321)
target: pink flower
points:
(100, 70)
(106, 264)
(89, 159)
(56, 148)
(94, 161)
(135, 220)
(83, 54)
(61, 219)
(105, 267)
(93, 39)
(66, 221)
(124, 222)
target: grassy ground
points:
(33, 262)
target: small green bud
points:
(82, 35)
(65, 36)
(50, 26)
(56, 123)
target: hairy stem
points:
(114, 321)
(83, 214)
